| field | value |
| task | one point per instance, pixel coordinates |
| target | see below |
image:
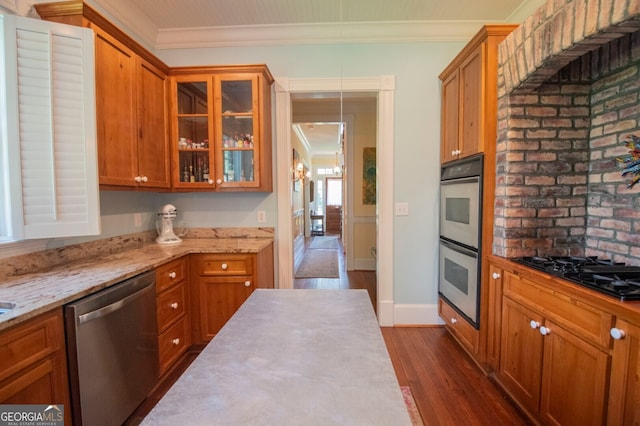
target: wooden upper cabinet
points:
(115, 110)
(449, 126)
(471, 103)
(153, 149)
(470, 96)
(221, 128)
(131, 98)
(131, 102)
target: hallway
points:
(348, 279)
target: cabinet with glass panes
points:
(222, 128)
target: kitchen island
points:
(290, 357)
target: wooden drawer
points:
(582, 319)
(226, 264)
(29, 342)
(173, 343)
(170, 305)
(171, 273)
(466, 334)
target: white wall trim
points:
(385, 87)
(319, 33)
(417, 314)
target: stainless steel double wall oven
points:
(460, 235)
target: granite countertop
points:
(40, 292)
(290, 357)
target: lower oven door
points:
(458, 279)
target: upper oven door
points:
(460, 210)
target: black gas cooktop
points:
(615, 279)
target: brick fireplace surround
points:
(569, 95)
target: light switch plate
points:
(402, 209)
(262, 216)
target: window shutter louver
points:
(56, 110)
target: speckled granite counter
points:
(40, 292)
(290, 357)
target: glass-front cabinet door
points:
(237, 132)
(193, 133)
(221, 128)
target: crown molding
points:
(331, 33)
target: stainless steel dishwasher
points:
(112, 348)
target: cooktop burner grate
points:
(608, 277)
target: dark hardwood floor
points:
(449, 389)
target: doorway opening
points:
(382, 89)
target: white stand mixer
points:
(164, 225)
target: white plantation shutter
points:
(56, 130)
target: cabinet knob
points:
(534, 324)
(174, 305)
(144, 179)
(454, 320)
(495, 275)
(224, 266)
(247, 283)
(219, 181)
(453, 152)
(176, 341)
(210, 181)
(138, 179)
(172, 275)
(544, 330)
(617, 334)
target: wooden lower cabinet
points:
(220, 298)
(172, 301)
(33, 363)
(624, 387)
(461, 329)
(555, 353)
(220, 285)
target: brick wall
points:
(566, 103)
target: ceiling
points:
(171, 24)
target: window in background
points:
(334, 191)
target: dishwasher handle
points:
(106, 310)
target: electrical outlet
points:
(137, 220)
(262, 216)
(402, 209)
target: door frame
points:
(384, 86)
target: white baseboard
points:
(385, 313)
(416, 315)
(364, 264)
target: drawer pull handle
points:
(544, 330)
(224, 266)
(454, 320)
(495, 275)
(174, 305)
(617, 334)
(176, 341)
(172, 275)
(247, 283)
(534, 324)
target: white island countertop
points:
(290, 357)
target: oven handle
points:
(474, 179)
(459, 249)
